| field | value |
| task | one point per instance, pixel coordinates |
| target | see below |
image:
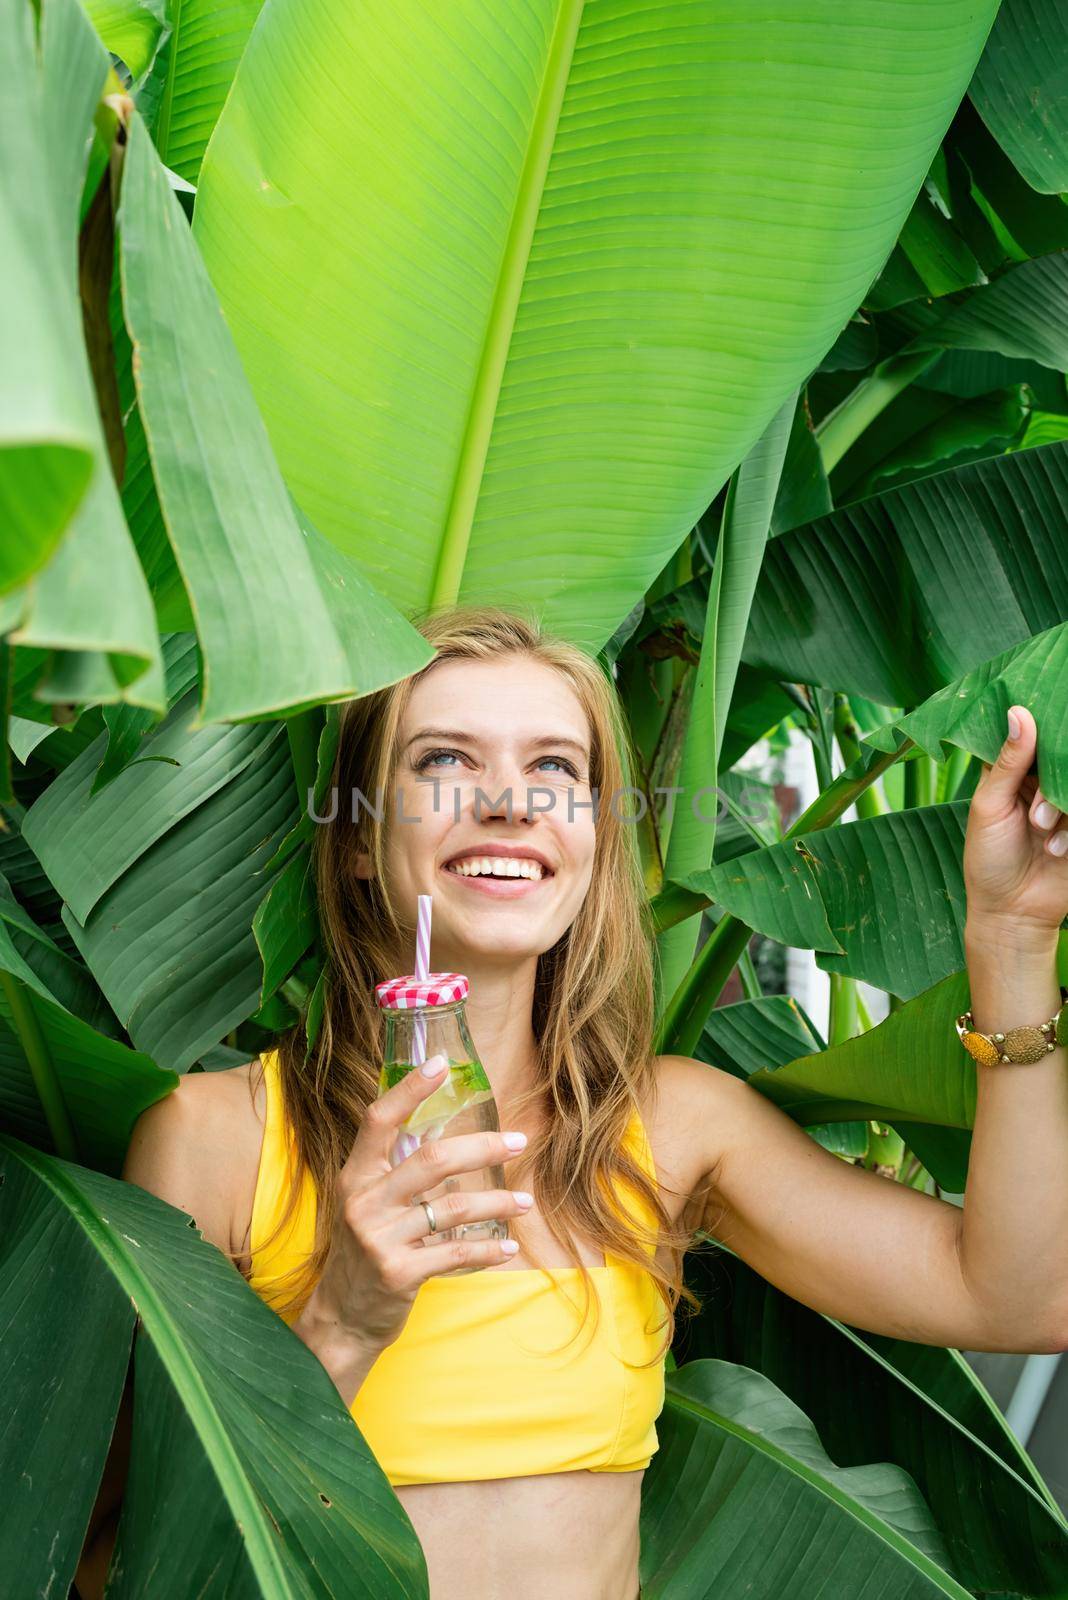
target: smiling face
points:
(510, 728)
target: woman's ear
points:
(362, 865)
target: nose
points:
(504, 791)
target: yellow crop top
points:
(479, 1384)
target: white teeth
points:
(497, 867)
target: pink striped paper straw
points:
(422, 972)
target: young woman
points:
(499, 1399)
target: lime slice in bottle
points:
(466, 1085)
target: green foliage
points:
(728, 343)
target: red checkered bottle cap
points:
(411, 994)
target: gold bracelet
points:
(1021, 1045)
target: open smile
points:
(501, 888)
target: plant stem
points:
(28, 1031)
(919, 774)
(870, 803)
(843, 426)
(953, 773)
(747, 972)
(844, 1020)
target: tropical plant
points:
(731, 337)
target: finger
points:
(439, 1159)
(461, 1206)
(468, 1253)
(1057, 842)
(384, 1117)
(1000, 784)
(1043, 814)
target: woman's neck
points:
(500, 1017)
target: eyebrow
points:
(539, 742)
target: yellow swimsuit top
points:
(478, 1384)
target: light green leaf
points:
(130, 28)
(509, 348)
(318, 630)
(90, 601)
(47, 440)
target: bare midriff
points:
(571, 1535)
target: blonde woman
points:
(503, 1400)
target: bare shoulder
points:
(198, 1148)
(696, 1108)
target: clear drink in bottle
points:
(424, 1018)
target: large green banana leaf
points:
(1021, 89)
(1023, 314)
(554, 267)
(86, 597)
(238, 1432)
(318, 630)
(48, 442)
(171, 942)
(86, 840)
(895, 596)
(64, 1084)
(909, 1068)
(915, 1405)
(970, 713)
(909, 1071)
(742, 1498)
(856, 893)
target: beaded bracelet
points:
(1021, 1045)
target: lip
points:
(501, 888)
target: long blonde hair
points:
(593, 998)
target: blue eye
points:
(433, 757)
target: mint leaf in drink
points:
(392, 1073)
(472, 1075)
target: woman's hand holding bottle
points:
(377, 1258)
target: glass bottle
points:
(424, 1018)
